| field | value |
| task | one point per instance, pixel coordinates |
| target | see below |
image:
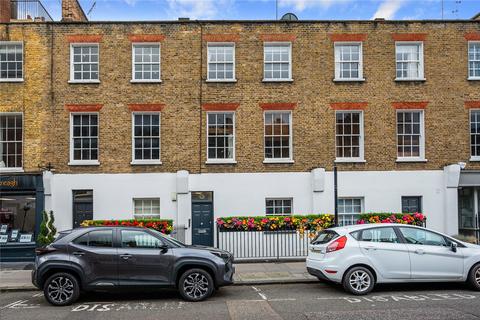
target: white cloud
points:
(388, 9)
(197, 9)
(130, 2)
(300, 5)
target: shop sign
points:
(26, 237)
(3, 228)
(25, 182)
(3, 238)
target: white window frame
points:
(279, 160)
(73, 162)
(362, 206)
(232, 44)
(472, 157)
(23, 62)
(337, 45)
(421, 67)
(420, 158)
(225, 161)
(275, 214)
(16, 169)
(286, 43)
(133, 80)
(150, 161)
(83, 44)
(468, 60)
(143, 199)
(361, 157)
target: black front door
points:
(202, 218)
(82, 206)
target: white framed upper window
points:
(221, 62)
(84, 65)
(278, 136)
(475, 135)
(146, 62)
(349, 136)
(146, 138)
(278, 206)
(84, 139)
(11, 61)
(277, 61)
(474, 60)
(349, 210)
(410, 135)
(220, 137)
(348, 61)
(11, 141)
(146, 208)
(409, 60)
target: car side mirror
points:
(163, 248)
(453, 246)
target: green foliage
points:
(43, 235)
(51, 227)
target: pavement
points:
(307, 301)
(17, 277)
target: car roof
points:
(355, 227)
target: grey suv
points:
(105, 258)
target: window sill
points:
(349, 80)
(220, 162)
(145, 162)
(11, 170)
(474, 159)
(12, 80)
(84, 82)
(350, 160)
(145, 81)
(277, 80)
(473, 78)
(411, 160)
(278, 161)
(84, 163)
(221, 81)
(410, 79)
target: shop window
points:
(17, 218)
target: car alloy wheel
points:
(477, 276)
(60, 289)
(196, 286)
(360, 281)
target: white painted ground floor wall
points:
(244, 193)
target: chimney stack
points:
(72, 11)
(5, 11)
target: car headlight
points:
(224, 256)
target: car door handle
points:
(419, 251)
(125, 256)
(371, 248)
(79, 253)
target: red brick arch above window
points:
(220, 106)
(227, 37)
(472, 36)
(83, 107)
(278, 106)
(79, 38)
(348, 105)
(472, 104)
(410, 105)
(278, 37)
(409, 36)
(348, 36)
(146, 37)
(146, 107)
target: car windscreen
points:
(174, 242)
(324, 237)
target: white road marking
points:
(11, 304)
(406, 297)
(37, 295)
(262, 295)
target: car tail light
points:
(44, 250)
(338, 244)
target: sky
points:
(106, 10)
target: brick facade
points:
(183, 92)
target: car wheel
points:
(474, 277)
(359, 281)
(195, 285)
(61, 289)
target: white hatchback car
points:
(359, 256)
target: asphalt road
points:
(289, 301)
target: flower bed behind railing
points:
(310, 222)
(162, 225)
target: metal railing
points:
(29, 10)
(264, 245)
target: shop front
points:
(469, 205)
(21, 206)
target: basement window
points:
(278, 206)
(11, 61)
